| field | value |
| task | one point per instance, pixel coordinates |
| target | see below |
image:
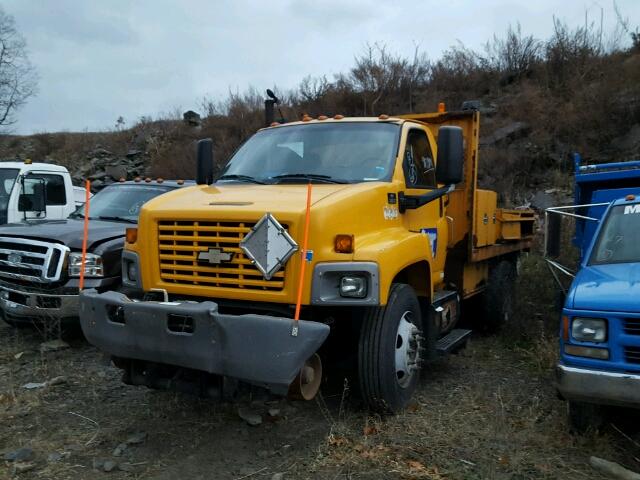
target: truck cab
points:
(600, 321)
(36, 191)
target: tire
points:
(584, 417)
(499, 296)
(387, 384)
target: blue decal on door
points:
(432, 233)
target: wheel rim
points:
(408, 345)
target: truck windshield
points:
(619, 238)
(120, 202)
(329, 153)
(7, 180)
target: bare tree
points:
(18, 78)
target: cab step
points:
(452, 341)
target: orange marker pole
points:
(87, 187)
(303, 264)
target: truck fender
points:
(398, 256)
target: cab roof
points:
(155, 183)
(34, 166)
(395, 120)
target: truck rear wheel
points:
(499, 296)
(389, 351)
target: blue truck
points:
(600, 322)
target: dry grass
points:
(488, 413)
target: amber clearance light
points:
(132, 235)
(343, 243)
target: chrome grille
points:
(180, 243)
(631, 326)
(32, 260)
(632, 354)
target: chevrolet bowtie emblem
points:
(215, 256)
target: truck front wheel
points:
(584, 416)
(390, 351)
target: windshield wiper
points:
(241, 178)
(308, 176)
(114, 218)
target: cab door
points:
(52, 187)
(419, 168)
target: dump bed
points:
(477, 224)
(600, 184)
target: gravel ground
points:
(488, 412)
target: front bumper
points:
(257, 349)
(597, 386)
(22, 306)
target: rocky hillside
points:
(541, 101)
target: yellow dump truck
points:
(397, 237)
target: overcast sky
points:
(101, 59)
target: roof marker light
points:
(630, 197)
(306, 118)
(137, 179)
(338, 117)
(274, 124)
(322, 117)
(441, 107)
(122, 180)
(384, 116)
(147, 180)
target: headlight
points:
(353, 286)
(92, 265)
(589, 329)
(132, 271)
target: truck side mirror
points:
(449, 168)
(204, 170)
(552, 235)
(33, 195)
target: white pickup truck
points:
(36, 191)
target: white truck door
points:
(55, 195)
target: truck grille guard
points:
(31, 260)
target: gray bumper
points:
(257, 349)
(23, 306)
(596, 386)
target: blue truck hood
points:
(613, 287)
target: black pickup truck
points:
(40, 261)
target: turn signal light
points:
(132, 235)
(590, 352)
(565, 328)
(343, 243)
